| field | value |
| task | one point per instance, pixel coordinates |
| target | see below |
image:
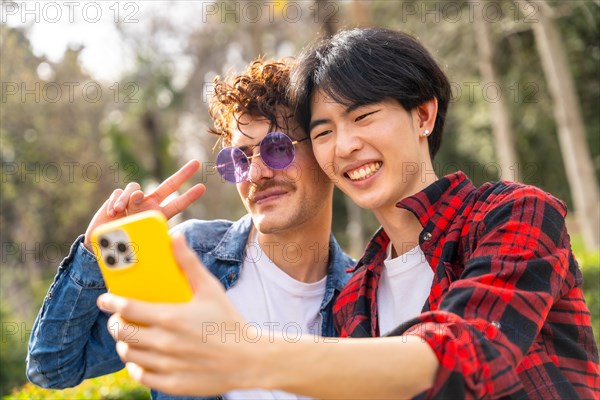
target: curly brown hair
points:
(260, 91)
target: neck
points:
(402, 226)
(302, 252)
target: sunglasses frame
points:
(249, 158)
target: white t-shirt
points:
(403, 288)
(276, 304)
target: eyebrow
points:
(321, 121)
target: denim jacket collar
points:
(233, 243)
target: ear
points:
(426, 114)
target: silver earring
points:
(426, 132)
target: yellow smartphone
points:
(137, 261)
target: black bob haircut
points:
(365, 66)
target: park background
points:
(98, 94)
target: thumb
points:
(200, 279)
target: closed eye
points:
(248, 150)
(318, 135)
(363, 116)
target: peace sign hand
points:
(133, 200)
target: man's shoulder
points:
(493, 195)
(514, 204)
(205, 235)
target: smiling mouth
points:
(364, 172)
(267, 196)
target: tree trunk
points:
(150, 126)
(571, 133)
(502, 132)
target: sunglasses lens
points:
(232, 164)
(277, 150)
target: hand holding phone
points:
(136, 259)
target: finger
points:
(182, 202)
(157, 361)
(200, 279)
(143, 337)
(125, 331)
(139, 312)
(180, 383)
(172, 183)
(123, 200)
(110, 210)
(98, 218)
(158, 381)
(136, 199)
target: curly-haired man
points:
(282, 249)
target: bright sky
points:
(54, 25)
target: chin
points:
(270, 224)
(368, 203)
(361, 199)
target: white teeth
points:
(365, 171)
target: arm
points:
(70, 341)
(204, 347)
(519, 268)
(376, 368)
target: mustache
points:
(257, 188)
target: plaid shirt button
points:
(496, 324)
(427, 236)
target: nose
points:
(347, 142)
(258, 170)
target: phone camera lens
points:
(110, 260)
(104, 242)
(122, 247)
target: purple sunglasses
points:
(276, 151)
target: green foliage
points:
(123, 150)
(110, 387)
(13, 349)
(589, 262)
(591, 290)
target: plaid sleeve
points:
(519, 266)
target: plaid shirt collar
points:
(435, 207)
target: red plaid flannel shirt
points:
(506, 315)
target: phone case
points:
(136, 259)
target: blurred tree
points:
(150, 107)
(501, 128)
(52, 173)
(571, 129)
(52, 167)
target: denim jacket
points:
(70, 340)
